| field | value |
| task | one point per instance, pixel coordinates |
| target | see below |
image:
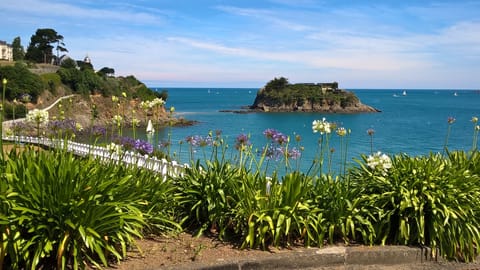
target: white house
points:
(6, 51)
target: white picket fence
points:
(162, 166)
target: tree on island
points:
(276, 84)
(40, 49)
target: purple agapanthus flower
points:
(61, 128)
(272, 152)
(127, 142)
(98, 131)
(198, 140)
(143, 147)
(276, 136)
(269, 133)
(242, 141)
(294, 153)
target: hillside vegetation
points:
(33, 85)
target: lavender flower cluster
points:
(98, 131)
(140, 146)
(242, 142)
(278, 148)
(61, 128)
(199, 141)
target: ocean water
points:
(415, 123)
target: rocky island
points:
(279, 95)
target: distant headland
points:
(279, 95)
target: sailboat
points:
(404, 93)
(455, 94)
(150, 129)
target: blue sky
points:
(221, 43)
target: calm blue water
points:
(415, 124)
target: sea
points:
(414, 122)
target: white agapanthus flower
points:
(321, 126)
(39, 117)
(380, 162)
(114, 148)
(117, 119)
(157, 102)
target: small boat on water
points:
(404, 93)
(455, 93)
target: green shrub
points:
(208, 194)
(273, 211)
(428, 201)
(64, 212)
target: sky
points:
(389, 44)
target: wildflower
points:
(145, 105)
(242, 141)
(157, 102)
(280, 138)
(135, 122)
(98, 131)
(294, 153)
(321, 126)
(370, 131)
(143, 147)
(477, 127)
(199, 141)
(341, 131)
(25, 98)
(269, 133)
(172, 109)
(380, 162)
(126, 142)
(114, 148)
(298, 138)
(117, 119)
(165, 144)
(273, 152)
(474, 119)
(124, 94)
(114, 99)
(37, 116)
(205, 141)
(78, 127)
(190, 140)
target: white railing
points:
(162, 166)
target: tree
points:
(17, 48)
(106, 71)
(21, 81)
(277, 84)
(40, 49)
(68, 63)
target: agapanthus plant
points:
(37, 117)
(379, 162)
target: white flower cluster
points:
(152, 103)
(117, 119)
(114, 148)
(380, 162)
(39, 117)
(321, 126)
